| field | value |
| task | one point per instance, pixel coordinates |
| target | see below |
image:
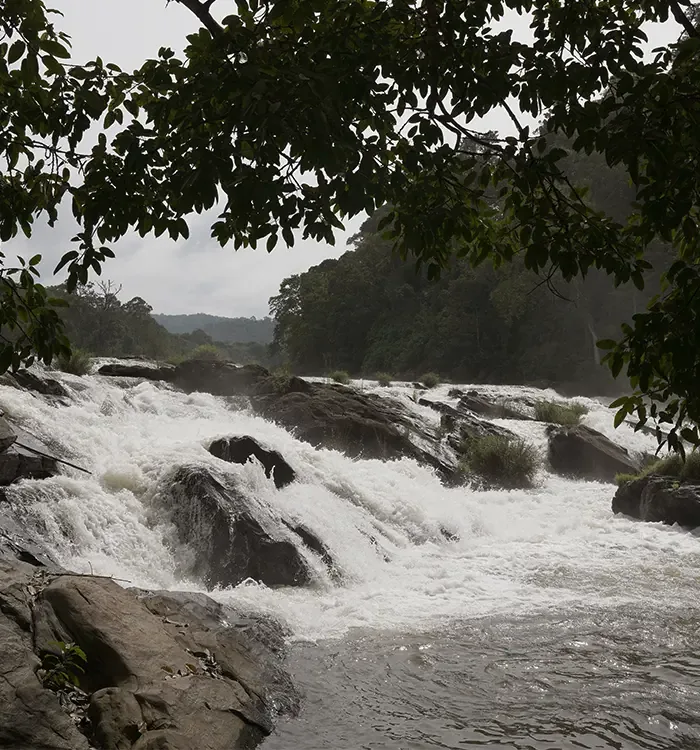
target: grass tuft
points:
(383, 379)
(77, 363)
(568, 415)
(504, 460)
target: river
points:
(549, 623)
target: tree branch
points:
(682, 19)
(201, 10)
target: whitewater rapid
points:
(518, 552)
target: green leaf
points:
(66, 259)
(16, 51)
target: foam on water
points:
(518, 551)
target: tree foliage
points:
(291, 115)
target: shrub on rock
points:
(506, 461)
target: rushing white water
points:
(558, 545)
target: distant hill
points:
(230, 330)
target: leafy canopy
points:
(295, 114)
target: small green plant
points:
(62, 667)
(430, 379)
(504, 460)
(208, 352)
(383, 379)
(568, 415)
(77, 362)
(280, 378)
(339, 376)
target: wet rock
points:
(656, 498)
(138, 370)
(17, 543)
(228, 541)
(315, 545)
(218, 378)
(17, 462)
(40, 384)
(240, 449)
(7, 435)
(585, 453)
(358, 424)
(464, 423)
(248, 647)
(164, 670)
(486, 407)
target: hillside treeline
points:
(369, 311)
(101, 324)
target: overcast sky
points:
(197, 275)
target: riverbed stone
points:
(585, 453)
(240, 449)
(658, 498)
(228, 540)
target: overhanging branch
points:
(682, 19)
(201, 10)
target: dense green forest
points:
(99, 323)
(369, 311)
(229, 330)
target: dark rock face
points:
(137, 370)
(480, 404)
(7, 435)
(229, 544)
(342, 418)
(582, 452)
(315, 545)
(656, 498)
(19, 463)
(43, 385)
(17, 543)
(218, 378)
(238, 450)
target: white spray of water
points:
(557, 545)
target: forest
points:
(369, 311)
(99, 323)
(229, 330)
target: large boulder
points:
(138, 369)
(587, 454)
(367, 425)
(228, 541)
(39, 384)
(167, 671)
(240, 449)
(218, 378)
(656, 498)
(30, 716)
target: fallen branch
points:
(91, 575)
(46, 455)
